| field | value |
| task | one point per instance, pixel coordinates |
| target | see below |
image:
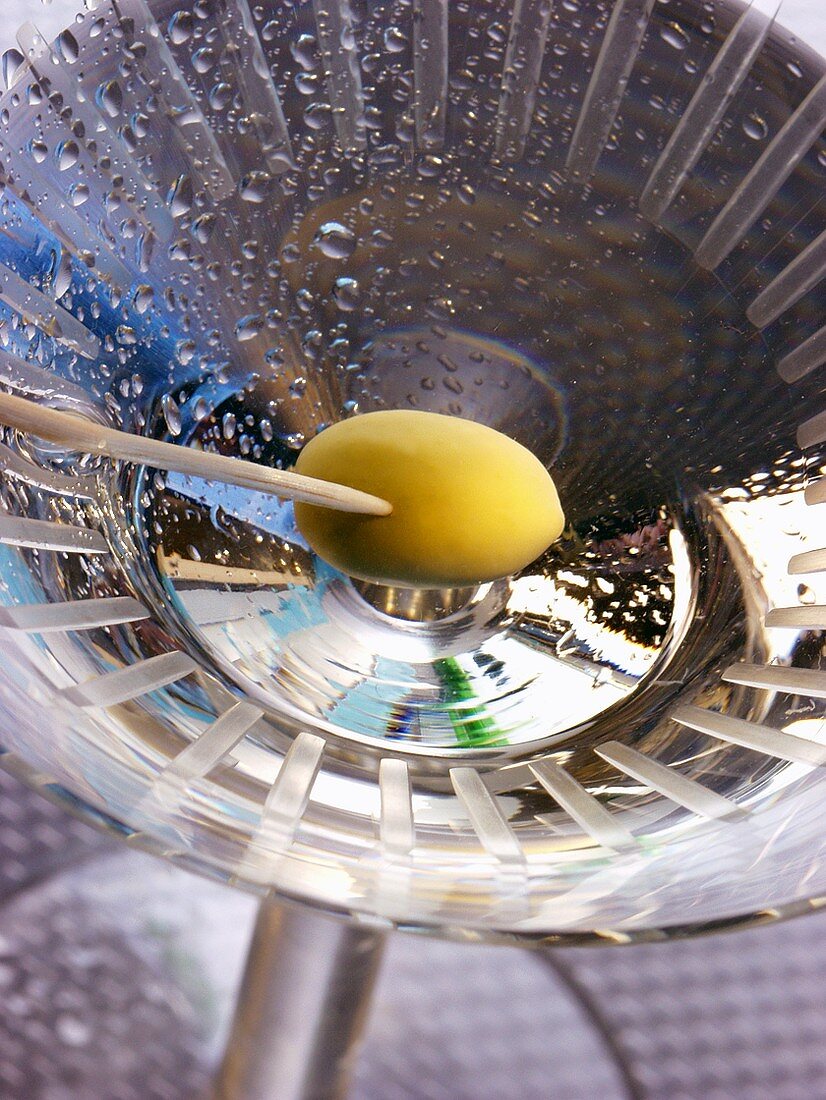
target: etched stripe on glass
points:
(802, 617)
(623, 38)
(208, 749)
(63, 485)
(812, 561)
(40, 534)
(685, 792)
(155, 59)
(765, 179)
(38, 308)
(750, 735)
(430, 71)
(701, 118)
(795, 280)
(528, 37)
(590, 815)
(793, 681)
(339, 53)
(290, 793)
(812, 431)
(486, 816)
(132, 681)
(805, 358)
(43, 618)
(396, 822)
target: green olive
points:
(469, 504)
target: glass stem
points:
(302, 1006)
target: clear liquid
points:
(643, 463)
(451, 277)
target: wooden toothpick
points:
(76, 433)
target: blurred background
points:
(117, 973)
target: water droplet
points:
(79, 194)
(290, 253)
(674, 35)
(298, 386)
(304, 51)
(203, 60)
(68, 48)
(171, 414)
(63, 277)
(110, 98)
(306, 83)
(181, 26)
(406, 128)
(143, 298)
(755, 127)
(204, 227)
(335, 240)
(12, 60)
(247, 328)
(429, 166)
(67, 154)
(180, 250)
(394, 40)
(317, 115)
(380, 238)
(180, 197)
(255, 187)
(466, 194)
(805, 595)
(293, 440)
(346, 293)
(39, 150)
(265, 428)
(126, 336)
(185, 350)
(311, 343)
(220, 96)
(794, 69)
(228, 425)
(304, 299)
(200, 410)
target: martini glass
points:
(595, 227)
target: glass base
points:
(119, 976)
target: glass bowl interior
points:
(595, 227)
